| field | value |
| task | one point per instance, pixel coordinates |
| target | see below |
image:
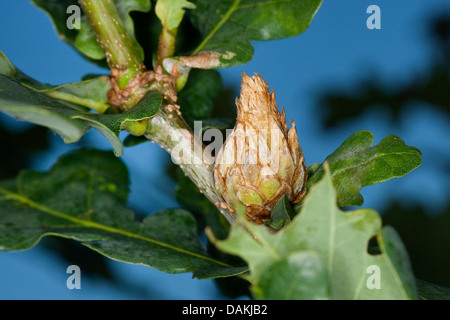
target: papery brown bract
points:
(261, 160)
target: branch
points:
(130, 82)
(120, 51)
(171, 132)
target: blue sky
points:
(336, 51)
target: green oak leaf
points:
(83, 197)
(83, 39)
(338, 239)
(71, 123)
(91, 93)
(229, 26)
(356, 164)
(281, 214)
(299, 276)
(171, 12)
(26, 104)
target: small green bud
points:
(136, 128)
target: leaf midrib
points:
(95, 225)
(222, 21)
(235, 6)
(375, 156)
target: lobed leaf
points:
(83, 197)
(25, 104)
(229, 26)
(171, 12)
(338, 239)
(355, 164)
(91, 93)
(70, 123)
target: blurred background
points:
(336, 78)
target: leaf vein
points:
(99, 226)
(222, 21)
